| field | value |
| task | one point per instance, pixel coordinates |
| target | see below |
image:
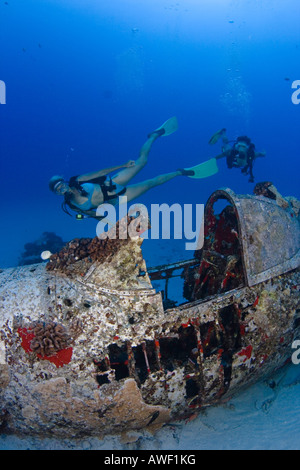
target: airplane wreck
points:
(89, 347)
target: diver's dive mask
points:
(242, 147)
(60, 188)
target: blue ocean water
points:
(87, 80)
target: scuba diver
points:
(241, 155)
(84, 193)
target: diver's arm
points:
(223, 154)
(260, 154)
(106, 171)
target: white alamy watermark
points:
(296, 94)
(2, 92)
(296, 354)
(176, 221)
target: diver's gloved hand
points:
(251, 179)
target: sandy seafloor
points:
(264, 416)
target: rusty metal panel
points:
(270, 237)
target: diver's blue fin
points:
(167, 128)
(214, 139)
(204, 170)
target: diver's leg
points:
(225, 142)
(224, 137)
(135, 190)
(124, 176)
(226, 148)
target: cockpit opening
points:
(216, 268)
